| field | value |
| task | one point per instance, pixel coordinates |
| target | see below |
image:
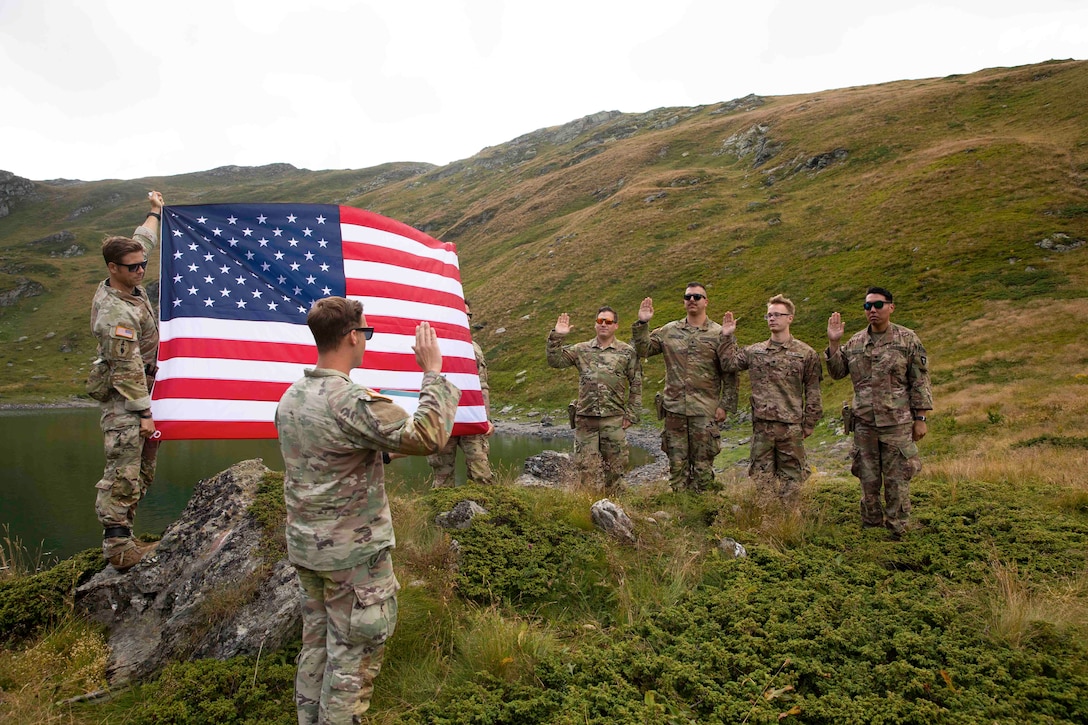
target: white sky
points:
(99, 89)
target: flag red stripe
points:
(361, 251)
(405, 326)
(394, 291)
(298, 354)
(240, 430)
(351, 215)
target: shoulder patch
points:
(375, 395)
(125, 333)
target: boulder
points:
(460, 516)
(211, 588)
(611, 519)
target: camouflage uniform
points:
(891, 384)
(476, 447)
(696, 384)
(786, 404)
(609, 391)
(339, 532)
(127, 330)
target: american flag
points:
(237, 281)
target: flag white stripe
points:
(250, 411)
(389, 273)
(389, 240)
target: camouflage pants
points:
(691, 443)
(130, 469)
(600, 448)
(343, 644)
(777, 460)
(476, 448)
(885, 456)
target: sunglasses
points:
(603, 321)
(695, 296)
(133, 267)
(878, 305)
(368, 332)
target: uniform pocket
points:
(98, 380)
(373, 624)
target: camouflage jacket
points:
(785, 379)
(481, 365)
(609, 378)
(332, 434)
(696, 381)
(127, 330)
(890, 375)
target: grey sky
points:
(121, 89)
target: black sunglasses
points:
(878, 304)
(695, 296)
(368, 332)
(133, 267)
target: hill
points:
(965, 195)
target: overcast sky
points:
(124, 89)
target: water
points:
(51, 459)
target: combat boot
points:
(133, 555)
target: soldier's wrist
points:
(145, 413)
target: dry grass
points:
(1060, 467)
(1018, 612)
(67, 662)
(16, 560)
(758, 512)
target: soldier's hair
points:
(331, 318)
(697, 284)
(606, 308)
(115, 248)
(879, 291)
(784, 301)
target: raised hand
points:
(155, 198)
(646, 310)
(729, 325)
(428, 353)
(562, 325)
(835, 327)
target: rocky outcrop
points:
(12, 188)
(614, 521)
(209, 590)
(20, 289)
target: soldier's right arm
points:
(646, 344)
(558, 354)
(375, 422)
(731, 357)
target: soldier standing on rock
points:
(127, 330)
(609, 394)
(335, 437)
(785, 375)
(698, 389)
(888, 367)
(476, 447)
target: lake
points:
(51, 460)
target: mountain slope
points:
(967, 196)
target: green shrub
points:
(30, 603)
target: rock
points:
(460, 516)
(547, 421)
(525, 317)
(1057, 242)
(506, 410)
(499, 331)
(205, 592)
(732, 549)
(12, 189)
(611, 519)
(550, 466)
(23, 288)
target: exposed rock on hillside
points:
(21, 288)
(12, 188)
(208, 590)
(61, 244)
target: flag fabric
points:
(237, 281)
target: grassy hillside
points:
(940, 189)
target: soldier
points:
(476, 447)
(335, 437)
(127, 329)
(698, 389)
(609, 394)
(785, 375)
(887, 366)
